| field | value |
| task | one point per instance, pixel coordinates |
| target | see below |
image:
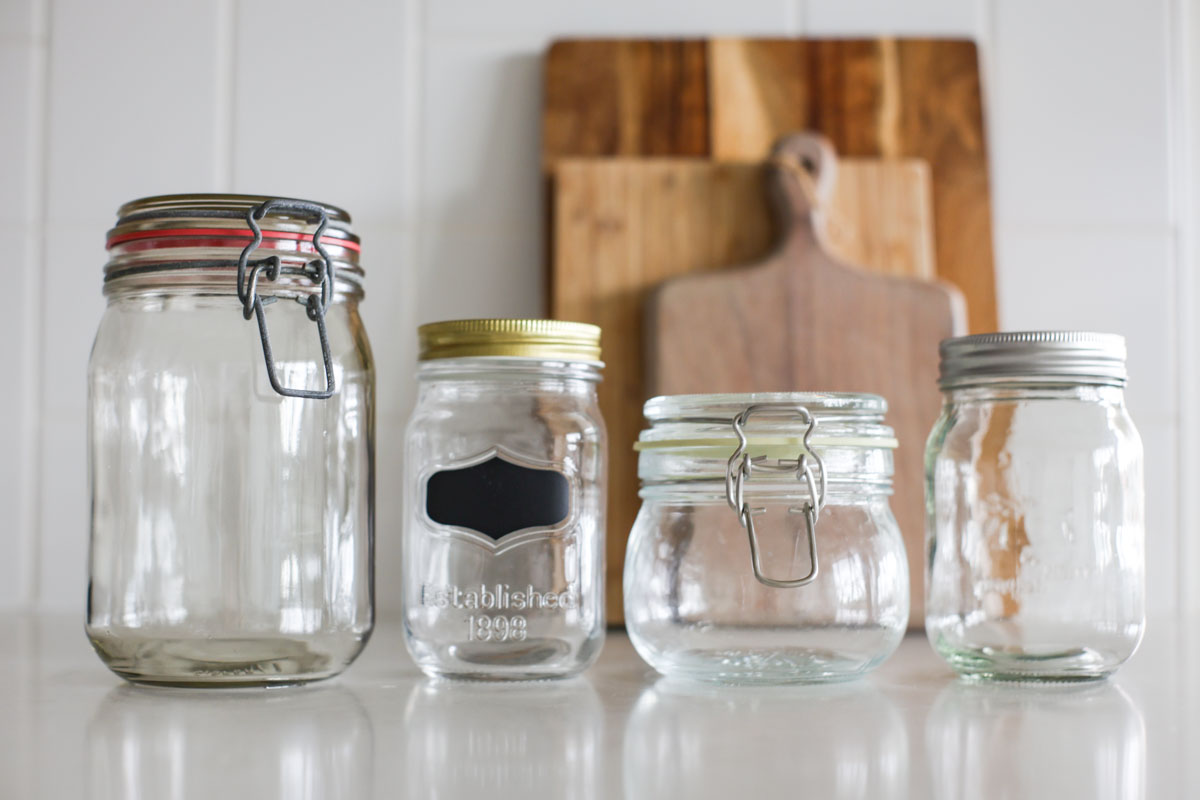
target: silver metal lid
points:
(1041, 356)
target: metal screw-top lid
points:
(1042, 356)
(519, 338)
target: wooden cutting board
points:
(804, 320)
(730, 99)
(621, 226)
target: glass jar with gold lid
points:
(505, 490)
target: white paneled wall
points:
(422, 118)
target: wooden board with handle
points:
(622, 226)
(804, 320)
(730, 99)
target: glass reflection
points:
(686, 740)
(164, 744)
(532, 740)
(1036, 741)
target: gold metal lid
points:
(516, 338)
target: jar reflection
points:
(689, 740)
(181, 743)
(1029, 742)
(467, 739)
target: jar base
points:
(529, 660)
(226, 662)
(494, 677)
(763, 656)
(1048, 679)
(761, 668)
(1074, 665)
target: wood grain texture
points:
(621, 226)
(802, 320)
(731, 98)
(626, 97)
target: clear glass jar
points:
(765, 550)
(231, 527)
(506, 464)
(1035, 508)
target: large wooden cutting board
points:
(730, 99)
(621, 226)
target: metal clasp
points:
(742, 464)
(319, 270)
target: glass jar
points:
(1034, 508)
(765, 550)
(232, 463)
(504, 538)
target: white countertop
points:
(70, 729)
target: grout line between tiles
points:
(412, 93)
(1183, 76)
(793, 17)
(416, 39)
(225, 70)
(34, 372)
(989, 68)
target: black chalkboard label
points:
(496, 497)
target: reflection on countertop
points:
(69, 729)
(152, 742)
(539, 739)
(1070, 740)
(709, 741)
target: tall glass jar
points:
(765, 550)
(1034, 508)
(505, 462)
(231, 444)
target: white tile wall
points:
(1185, 19)
(1079, 113)
(317, 106)
(422, 119)
(888, 17)
(22, 96)
(607, 17)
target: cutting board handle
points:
(800, 181)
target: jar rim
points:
(703, 424)
(472, 367)
(687, 407)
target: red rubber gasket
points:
(229, 233)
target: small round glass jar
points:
(765, 550)
(1035, 527)
(231, 444)
(506, 468)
